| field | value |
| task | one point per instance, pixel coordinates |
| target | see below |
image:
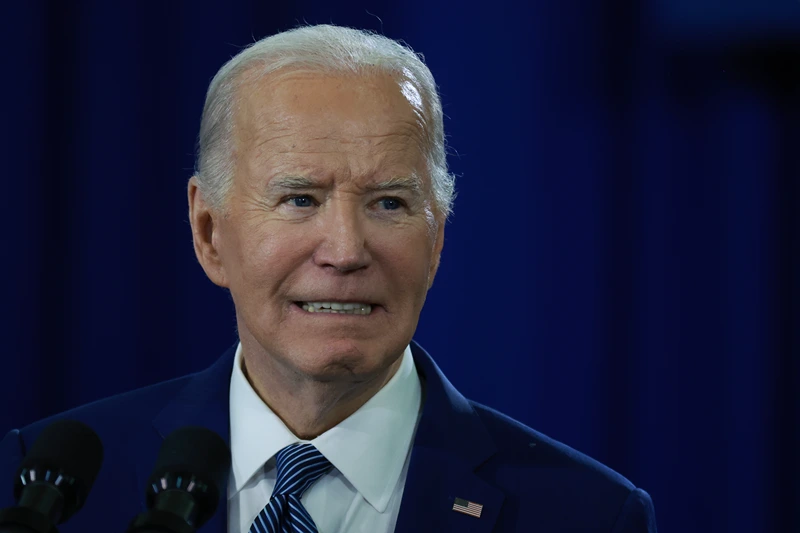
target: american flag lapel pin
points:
(467, 507)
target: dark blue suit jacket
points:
(525, 481)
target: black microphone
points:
(54, 479)
(184, 488)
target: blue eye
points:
(391, 204)
(302, 201)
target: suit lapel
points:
(204, 402)
(435, 480)
(450, 444)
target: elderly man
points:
(319, 201)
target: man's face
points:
(331, 206)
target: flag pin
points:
(467, 507)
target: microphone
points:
(54, 479)
(183, 490)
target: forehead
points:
(310, 115)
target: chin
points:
(343, 359)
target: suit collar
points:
(451, 442)
(202, 402)
(447, 415)
(449, 423)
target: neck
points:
(307, 405)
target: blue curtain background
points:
(622, 271)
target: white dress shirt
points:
(369, 451)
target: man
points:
(319, 201)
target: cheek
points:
(408, 260)
(266, 255)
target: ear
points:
(437, 252)
(205, 224)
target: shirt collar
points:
(369, 447)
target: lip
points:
(337, 300)
(295, 308)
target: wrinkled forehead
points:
(329, 105)
(358, 126)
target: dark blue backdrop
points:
(621, 272)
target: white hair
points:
(324, 49)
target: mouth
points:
(342, 308)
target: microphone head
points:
(194, 460)
(67, 454)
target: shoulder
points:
(123, 422)
(516, 440)
(131, 427)
(116, 415)
(561, 483)
(137, 410)
(118, 420)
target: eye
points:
(390, 204)
(303, 200)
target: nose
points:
(343, 246)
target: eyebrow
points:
(292, 182)
(409, 183)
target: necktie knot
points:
(299, 467)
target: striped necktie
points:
(299, 466)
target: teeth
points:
(338, 308)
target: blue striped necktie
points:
(299, 466)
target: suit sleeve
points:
(11, 454)
(637, 514)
